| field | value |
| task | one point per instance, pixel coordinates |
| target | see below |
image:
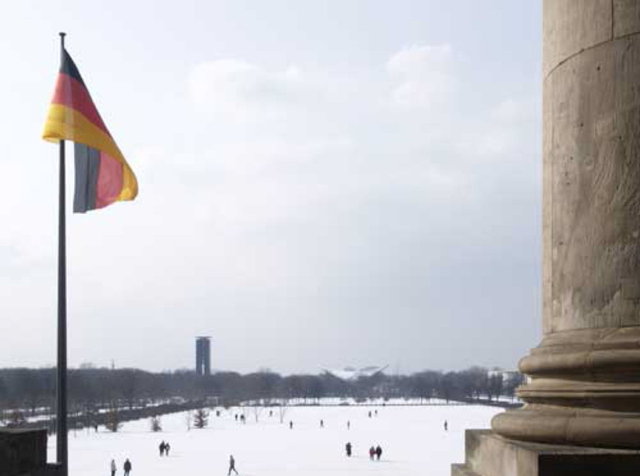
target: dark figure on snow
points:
(376, 412)
(290, 424)
(270, 412)
(347, 448)
(321, 423)
(378, 452)
(369, 414)
(348, 424)
(232, 465)
(113, 468)
(167, 447)
(446, 426)
(243, 419)
(162, 447)
(236, 415)
(127, 467)
(217, 412)
(372, 452)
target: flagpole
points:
(61, 393)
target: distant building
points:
(506, 374)
(203, 355)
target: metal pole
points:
(61, 393)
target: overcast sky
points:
(322, 183)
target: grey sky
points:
(321, 184)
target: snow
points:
(412, 438)
(330, 401)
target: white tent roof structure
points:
(352, 373)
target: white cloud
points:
(501, 133)
(423, 75)
(244, 91)
(292, 198)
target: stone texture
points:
(569, 30)
(462, 470)
(488, 454)
(626, 17)
(594, 250)
(585, 374)
(24, 453)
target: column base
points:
(488, 454)
(584, 390)
(570, 426)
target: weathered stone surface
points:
(626, 17)
(594, 251)
(488, 454)
(22, 452)
(462, 470)
(567, 30)
(585, 375)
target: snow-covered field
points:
(412, 438)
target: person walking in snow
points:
(127, 467)
(446, 426)
(232, 465)
(167, 447)
(347, 448)
(378, 452)
(372, 452)
(348, 424)
(321, 423)
(113, 468)
(291, 424)
(161, 448)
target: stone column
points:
(584, 384)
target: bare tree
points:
(187, 418)
(17, 418)
(113, 418)
(155, 423)
(201, 418)
(283, 406)
(257, 411)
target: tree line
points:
(32, 391)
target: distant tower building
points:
(203, 355)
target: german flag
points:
(102, 173)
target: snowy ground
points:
(412, 438)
